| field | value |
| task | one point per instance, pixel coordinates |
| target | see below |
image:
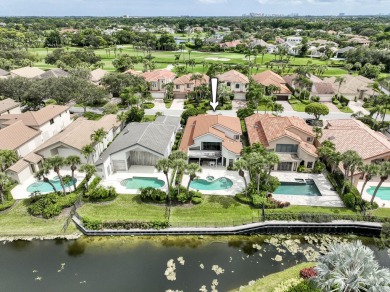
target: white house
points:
(139, 144)
(9, 106)
(212, 140)
(236, 81)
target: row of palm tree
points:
(352, 162)
(97, 138)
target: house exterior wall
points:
(302, 135)
(60, 122)
(21, 176)
(306, 157)
(29, 146)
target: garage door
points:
(142, 158)
(282, 97)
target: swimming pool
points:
(383, 192)
(222, 183)
(306, 188)
(142, 182)
(43, 187)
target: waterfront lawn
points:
(313, 210)
(269, 282)
(381, 212)
(18, 222)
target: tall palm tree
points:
(164, 165)
(340, 80)
(350, 159)
(192, 169)
(73, 161)
(97, 137)
(318, 132)
(5, 182)
(241, 165)
(57, 162)
(90, 170)
(368, 172)
(180, 166)
(87, 151)
(384, 173)
(42, 174)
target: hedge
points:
(124, 225)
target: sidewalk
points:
(357, 106)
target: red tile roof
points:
(233, 76)
(186, 79)
(268, 78)
(207, 124)
(158, 75)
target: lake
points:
(138, 264)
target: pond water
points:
(134, 264)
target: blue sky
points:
(189, 7)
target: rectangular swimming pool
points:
(304, 188)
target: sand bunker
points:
(217, 59)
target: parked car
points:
(314, 122)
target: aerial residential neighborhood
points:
(187, 151)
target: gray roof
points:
(343, 50)
(153, 136)
(168, 120)
(3, 72)
(53, 73)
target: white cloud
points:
(212, 1)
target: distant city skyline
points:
(191, 7)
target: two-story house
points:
(187, 83)
(289, 137)
(212, 140)
(157, 80)
(268, 78)
(236, 81)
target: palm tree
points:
(87, 151)
(192, 169)
(164, 165)
(43, 173)
(7, 158)
(368, 172)
(384, 173)
(340, 80)
(350, 267)
(73, 161)
(318, 132)
(350, 159)
(97, 137)
(56, 162)
(5, 182)
(90, 170)
(241, 165)
(180, 166)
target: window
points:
(309, 139)
(289, 148)
(237, 86)
(237, 137)
(188, 85)
(228, 83)
(177, 86)
(51, 122)
(213, 146)
(310, 165)
(154, 84)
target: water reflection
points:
(76, 248)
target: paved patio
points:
(367, 196)
(115, 179)
(238, 182)
(20, 191)
(328, 197)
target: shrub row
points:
(124, 225)
(257, 201)
(101, 194)
(50, 205)
(318, 217)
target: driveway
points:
(237, 104)
(177, 104)
(286, 105)
(358, 107)
(332, 107)
(159, 104)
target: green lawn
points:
(346, 110)
(298, 106)
(148, 118)
(268, 283)
(382, 212)
(214, 211)
(18, 222)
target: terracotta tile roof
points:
(27, 72)
(158, 75)
(132, 72)
(354, 135)
(7, 104)
(37, 118)
(78, 133)
(268, 78)
(186, 79)
(265, 128)
(233, 76)
(15, 135)
(231, 44)
(206, 124)
(98, 74)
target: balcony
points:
(204, 154)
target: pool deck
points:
(328, 197)
(367, 196)
(238, 182)
(20, 191)
(115, 179)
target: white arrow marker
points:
(214, 88)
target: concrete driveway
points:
(177, 104)
(237, 104)
(286, 105)
(332, 108)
